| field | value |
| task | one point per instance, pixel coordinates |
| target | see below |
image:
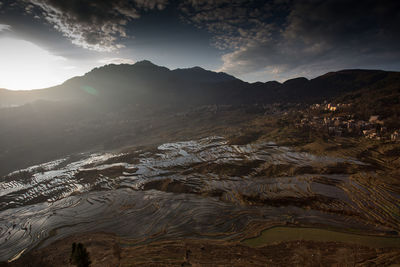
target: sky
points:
(45, 42)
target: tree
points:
(79, 255)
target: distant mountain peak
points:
(198, 74)
(299, 80)
(144, 63)
(197, 68)
(126, 84)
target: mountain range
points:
(146, 83)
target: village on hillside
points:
(327, 118)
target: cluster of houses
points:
(330, 106)
(347, 126)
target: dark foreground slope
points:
(105, 250)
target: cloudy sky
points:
(44, 42)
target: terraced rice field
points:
(200, 189)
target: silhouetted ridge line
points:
(146, 83)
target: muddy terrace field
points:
(208, 190)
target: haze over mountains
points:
(146, 83)
(117, 105)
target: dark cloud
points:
(261, 39)
(304, 37)
(96, 25)
(234, 23)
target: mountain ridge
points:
(146, 82)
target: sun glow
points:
(24, 66)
